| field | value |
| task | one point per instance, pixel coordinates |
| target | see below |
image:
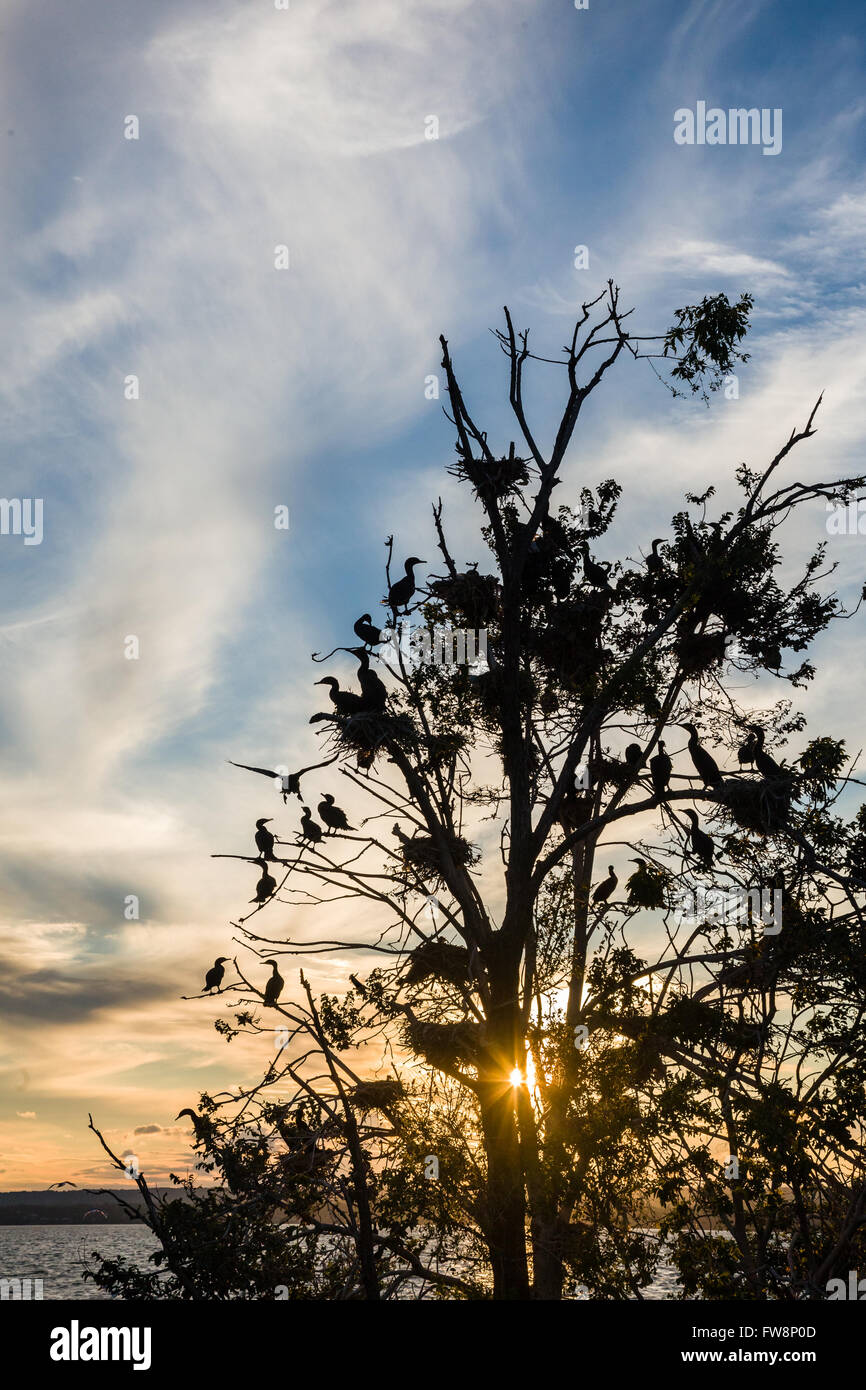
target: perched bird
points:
(266, 886)
(593, 571)
(214, 977)
(706, 766)
(634, 756)
(646, 886)
(291, 782)
(606, 887)
(373, 691)
(767, 766)
(400, 594)
(265, 839)
(654, 562)
(746, 751)
(334, 818)
(310, 830)
(344, 701)
(700, 842)
(274, 987)
(660, 770)
(198, 1122)
(371, 636)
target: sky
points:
(166, 385)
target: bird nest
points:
(370, 734)
(443, 1044)
(698, 651)
(440, 959)
(377, 1095)
(759, 804)
(493, 477)
(472, 595)
(422, 854)
(441, 748)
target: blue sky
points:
(155, 257)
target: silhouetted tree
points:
(580, 1066)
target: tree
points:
(570, 1064)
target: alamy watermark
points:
(737, 126)
(847, 520)
(22, 516)
(437, 646)
(734, 905)
(16, 1289)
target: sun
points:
(516, 1077)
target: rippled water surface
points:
(57, 1254)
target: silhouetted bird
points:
(634, 756)
(309, 829)
(606, 887)
(371, 636)
(266, 886)
(654, 562)
(746, 751)
(344, 701)
(274, 987)
(593, 571)
(373, 691)
(401, 593)
(705, 765)
(264, 839)
(700, 842)
(333, 817)
(767, 766)
(198, 1123)
(660, 770)
(645, 886)
(214, 977)
(291, 782)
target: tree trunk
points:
(550, 1218)
(505, 1217)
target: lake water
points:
(56, 1254)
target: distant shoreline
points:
(44, 1208)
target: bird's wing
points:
(313, 766)
(265, 771)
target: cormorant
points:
(660, 770)
(634, 756)
(746, 751)
(266, 886)
(593, 571)
(767, 766)
(334, 818)
(371, 636)
(400, 593)
(309, 828)
(373, 691)
(265, 840)
(654, 562)
(344, 701)
(706, 765)
(274, 987)
(198, 1122)
(291, 783)
(701, 843)
(645, 888)
(214, 977)
(606, 887)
